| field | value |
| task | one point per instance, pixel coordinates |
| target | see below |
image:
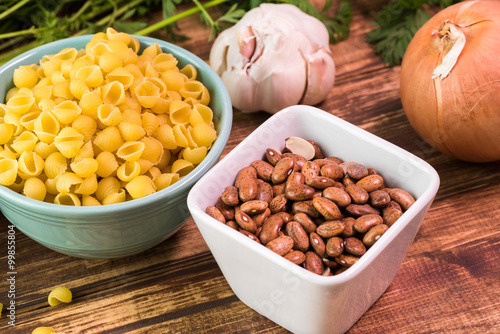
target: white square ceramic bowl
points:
(289, 295)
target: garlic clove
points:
(320, 77)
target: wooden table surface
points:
(449, 281)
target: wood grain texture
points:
(449, 282)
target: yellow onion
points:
(450, 81)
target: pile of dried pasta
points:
(104, 124)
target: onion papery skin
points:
(460, 114)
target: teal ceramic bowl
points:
(123, 229)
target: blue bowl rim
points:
(178, 188)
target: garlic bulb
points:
(274, 57)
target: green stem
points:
(30, 31)
(172, 19)
(80, 11)
(5, 57)
(205, 13)
(13, 8)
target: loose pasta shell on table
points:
(26, 141)
(90, 102)
(182, 167)
(44, 330)
(30, 163)
(69, 141)
(153, 149)
(20, 104)
(109, 139)
(121, 75)
(109, 114)
(147, 93)
(55, 164)
(85, 125)
(47, 127)
(91, 75)
(34, 188)
(179, 112)
(88, 186)
(131, 150)
(164, 61)
(140, 186)
(67, 182)
(25, 76)
(128, 171)
(107, 186)
(66, 112)
(113, 93)
(69, 199)
(107, 164)
(60, 295)
(8, 171)
(85, 167)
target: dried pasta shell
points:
(153, 172)
(88, 200)
(117, 197)
(6, 132)
(152, 51)
(44, 330)
(30, 163)
(90, 102)
(113, 93)
(66, 54)
(88, 186)
(150, 123)
(182, 167)
(109, 139)
(164, 61)
(51, 66)
(66, 112)
(119, 48)
(179, 131)
(60, 295)
(69, 199)
(25, 76)
(34, 188)
(8, 171)
(20, 104)
(41, 92)
(46, 104)
(195, 155)
(87, 151)
(114, 35)
(67, 182)
(98, 49)
(147, 94)
(121, 75)
(109, 114)
(109, 60)
(44, 149)
(153, 149)
(145, 165)
(160, 84)
(174, 79)
(180, 112)
(140, 186)
(85, 167)
(164, 180)
(68, 142)
(107, 164)
(203, 134)
(77, 88)
(26, 141)
(87, 60)
(61, 89)
(47, 127)
(107, 186)
(192, 88)
(162, 106)
(131, 150)
(128, 171)
(90, 75)
(201, 114)
(131, 131)
(85, 125)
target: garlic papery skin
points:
(274, 57)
